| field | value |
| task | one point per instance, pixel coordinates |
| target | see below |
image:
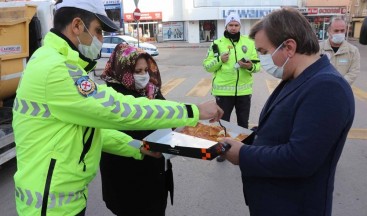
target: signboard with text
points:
(248, 13)
(129, 17)
(327, 11)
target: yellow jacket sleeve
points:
(116, 142)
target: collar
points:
(342, 49)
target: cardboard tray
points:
(173, 142)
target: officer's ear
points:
(77, 26)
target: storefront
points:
(148, 26)
(319, 18)
(208, 30)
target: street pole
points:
(137, 30)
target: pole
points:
(137, 30)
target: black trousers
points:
(241, 104)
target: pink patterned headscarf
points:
(121, 66)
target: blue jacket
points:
(289, 169)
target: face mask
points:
(338, 38)
(267, 63)
(141, 80)
(92, 50)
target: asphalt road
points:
(210, 188)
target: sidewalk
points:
(180, 44)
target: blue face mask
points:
(267, 63)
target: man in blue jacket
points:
(289, 167)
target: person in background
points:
(62, 119)
(232, 59)
(344, 56)
(288, 168)
(207, 26)
(126, 181)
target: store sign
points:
(112, 7)
(313, 11)
(248, 13)
(106, 2)
(327, 11)
(303, 10)
(129, 17)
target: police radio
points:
(215, 50)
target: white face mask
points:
(267, 63)
(338, 38)
(141, 80)
(90, 51)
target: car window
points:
(117, 40)
(106, 40)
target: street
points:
(211, 188)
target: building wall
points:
(326, 3)
(191, 12)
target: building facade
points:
(358, 12)
(195, 21)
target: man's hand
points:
(224, 57)
(210, 110)
(150, 153)
(233, 154)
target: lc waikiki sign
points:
(248, 13)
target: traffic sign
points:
(137, 14)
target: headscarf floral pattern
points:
(121, 66)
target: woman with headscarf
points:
(135, 187)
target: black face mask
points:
(234, 37)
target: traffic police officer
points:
(63, 120)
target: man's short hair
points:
(336, 18)
(288, 23)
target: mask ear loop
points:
(276, 50)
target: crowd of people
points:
(287, 165)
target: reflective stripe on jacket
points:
(57, 119)
(227, 80)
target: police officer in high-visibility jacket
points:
(232, 59)
(63, 120)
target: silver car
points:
(110, 42)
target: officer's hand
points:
(210, 110)
(233, 154)
(247, 65)
(150, 153)
(224, 57)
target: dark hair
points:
(65, 15)
(288, 23)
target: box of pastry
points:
(201, 141)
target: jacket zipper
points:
(86, 147)
(46, 192)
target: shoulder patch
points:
(86, 86)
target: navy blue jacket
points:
(289, 169)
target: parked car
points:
(110, 42)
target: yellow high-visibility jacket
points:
(62, 121)
(228, 80)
